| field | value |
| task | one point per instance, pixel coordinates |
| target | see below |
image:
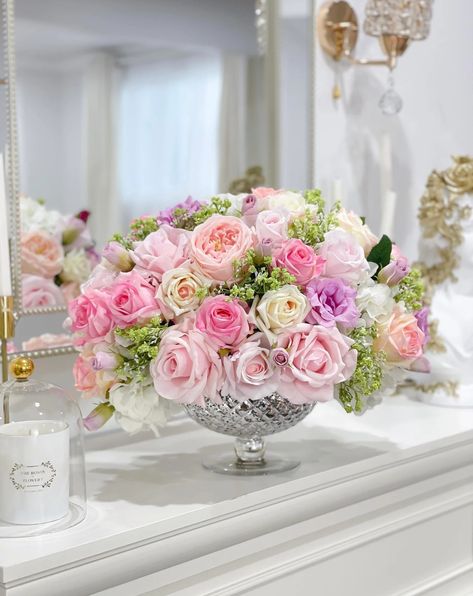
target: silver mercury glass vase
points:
(249, 421)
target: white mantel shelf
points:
(382, 504)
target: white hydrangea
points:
(76, 266)
(375, 302)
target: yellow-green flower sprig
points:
(315, 223)
(411, 290)
(188, 221)
(368, 375)
(142, 347)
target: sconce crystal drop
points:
(406, 18)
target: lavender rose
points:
(332, 301)
(166, 216)
(422, 317)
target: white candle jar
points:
(42, 471)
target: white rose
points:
(76, 266)
(353, 224)
(139, 407)
(294, 202)
(35, 217)
(375, 303)
(236, 201)
(178, 291)
(278, 310)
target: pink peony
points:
(39, 291)
(344, 256)
(90, 317)
(248, 372)
(271, 225)
(132, 300)
(217, 243)
(223, 321)
(300, 260)
(400, 338)
(41, 254)
(165, 249)
(319, 358)
(187, 369)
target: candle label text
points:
(33, 478)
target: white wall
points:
(435, 80)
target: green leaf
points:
(381, 253)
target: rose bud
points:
(393, 273)
(279, 357)
(99, 416)
(118, 256)
(105, 361)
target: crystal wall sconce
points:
(394, 22)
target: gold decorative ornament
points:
(252, 179)
(22, 368)
(7, 330)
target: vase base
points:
(231, 465)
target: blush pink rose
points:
(263, 191)
(249, 371)
(300, 260)
(187, 368)
(217, 243)
(90, 317)
(318, 359)
(132, 299)
(400, 338)
(85, 378)
(41, 254)
(344, 256)
(223, 321)
(39, 291)
(165, 249)
(271, 225)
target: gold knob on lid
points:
(22, 368)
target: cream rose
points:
(351, 223)
(294, 202)
(179, 293)
(76, 266)
(279, 310)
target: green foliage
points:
(188, 221)
(368, 374)
(411, 290)
(314, 197)
(381, 254)
(142, 227)
(123, 240)
(143, 347)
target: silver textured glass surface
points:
(406, 18)
(249, 421)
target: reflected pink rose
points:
(218, 243)
(39, 292)
(41, 254)
(165, 249)
(47, 341)
(300, 260)
(318, 359)
(187, 368)
(70, 291)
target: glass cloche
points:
(42, 468)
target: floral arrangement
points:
(246, 295)
(57, 254)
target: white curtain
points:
(101, 82)
(233, 118)
(168, 145)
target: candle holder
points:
(42, 468)
(7, 331)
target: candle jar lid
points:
(42, 468)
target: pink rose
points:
(300, 260)
(271, 225)
(217, 243)
(263, 191)
(319, 358)
(344, 256)
(132, 300)
(39, 291)
(223, 321)
(165, 249)
(84, 377)
(249, 374)
(90, 317)
(41, 254)
(400, 338)
(187, 369)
